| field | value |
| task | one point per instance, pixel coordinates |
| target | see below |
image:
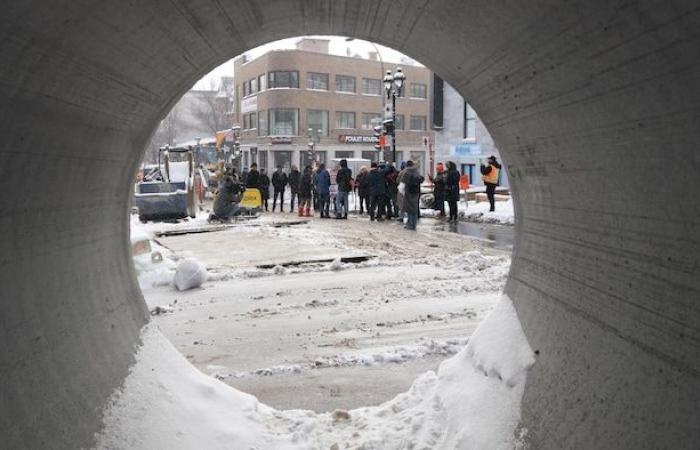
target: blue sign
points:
(466, 150)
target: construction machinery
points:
(167, 192)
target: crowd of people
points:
(384, 192)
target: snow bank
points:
(473, 402)
(479, 212)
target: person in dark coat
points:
(225, 205)
(439, 189)
(305, 192)
(362, 186)
(392, 192)
(452, 189)
(264, 187)
(490, 176)
(294, 178)
(412, 180)
(252, 179)
(377, 192)
(344, 181)
(314, 192)
(279, 183)
(323, 185)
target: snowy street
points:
(324, 334)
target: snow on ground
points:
(479, 212)
(333, 334)
(472, 402)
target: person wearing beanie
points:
(489, 175)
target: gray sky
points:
(338, 46)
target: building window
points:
(250, 121)
(399, 124)
(262, 123)
(344, 83)
(469, 123)
(418, 123)
(370, 120)
(253, 85)
(261, 83)
(372, 155)
(283, 159)
(419, 90)
(371, 86)
(262, 155)
(344, 119)
(283, 79)
(246, 88)
(317, 119)
(318, 81)
(284, 122)
(253, 121)
(344, 154)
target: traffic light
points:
(379, 135)
(388, 127)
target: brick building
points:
(282, 94)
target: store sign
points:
(356, 139)
(249, 104)
(466, 150)
(280, 140)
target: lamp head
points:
(399, 78)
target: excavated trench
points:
(594, 105)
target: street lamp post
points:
(393, 85)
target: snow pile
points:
(473, 402)
(189, 274)
(154, 268)
(336, 265)
(479, 212)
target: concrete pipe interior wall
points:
(594, 105)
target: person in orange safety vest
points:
(490, 174)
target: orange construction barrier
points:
(464, 182)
